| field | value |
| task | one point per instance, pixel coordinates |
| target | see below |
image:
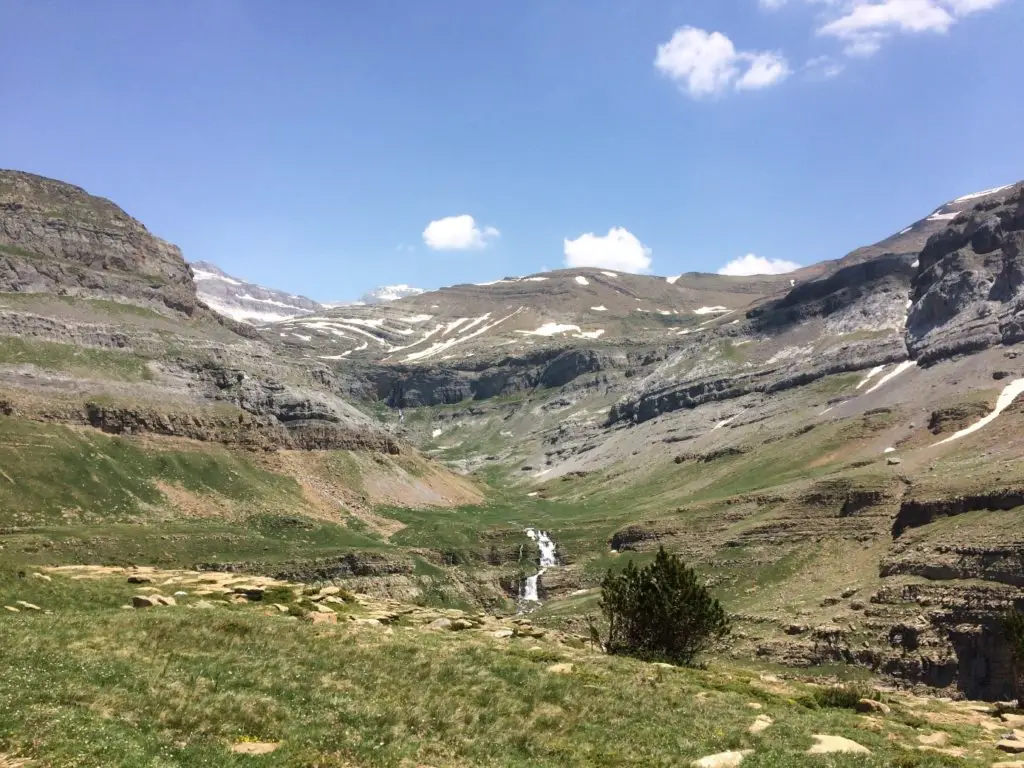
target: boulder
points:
(825, 744)
(722, 759)
(255, 747)
(440, 624)
(143, 601)
(501, 634)
(136, 579)
(460, 624)
(1011, 745)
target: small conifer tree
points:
(660, 612)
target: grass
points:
(76, 496)
(92, 684)
(54, 356)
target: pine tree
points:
(660, 611)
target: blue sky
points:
(310, 145)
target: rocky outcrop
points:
(57, 238)
(969, 290)
(914, 513)
(415, 386)
(855, 356)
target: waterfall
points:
(547, 560)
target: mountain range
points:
(837, 449)
(248, 302)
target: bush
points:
(660, 612)
(839, 696)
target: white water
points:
(547, 560)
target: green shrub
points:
(839, 696)
(660, 612)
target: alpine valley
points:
(838, 450)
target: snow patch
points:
(983, 193)
(710, 310)
(243, 315)
(582, 280)
(943, 216)
(610, 274)
(725, 422)
(552, 329)
(600, 308)
(589, 334)
(904, 366)
(870, 375)
(437, 433)
(916, 264)
(1010, 393)
(672, 280)
(202, 274)
(442, 346)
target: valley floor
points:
(234, 672)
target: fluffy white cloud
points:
(864, 26)
(619, 250)
(706, 63)
(757, 265)
(457, 233)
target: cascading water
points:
(547, 560)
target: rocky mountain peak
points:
(57, 238)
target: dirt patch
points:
(193, 505)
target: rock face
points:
(968, 292)
(57, 238)
(85, 276)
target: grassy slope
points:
(92, 684)
(78, 495)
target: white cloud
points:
(865, 26)
(619, 249)
(457, 233)
(757, 265)
(707, 63)
(765, 69)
